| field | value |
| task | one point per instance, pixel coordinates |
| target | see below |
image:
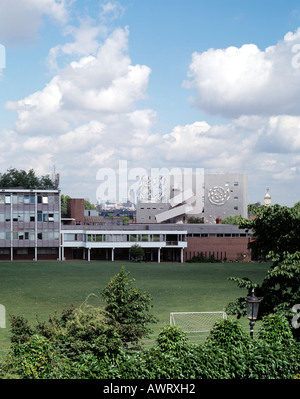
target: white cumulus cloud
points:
(246, 80)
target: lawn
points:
(41, 288)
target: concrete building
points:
(30, 224)
(222, 195)
(225, 195)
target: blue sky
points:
(158, 83)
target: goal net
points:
(194, 322)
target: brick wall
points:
(76, 210)
(222, 247)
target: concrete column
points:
(89, 254)
(62, 253)
(181, 255)
(112, 254)
(158, 260)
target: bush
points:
(202, 258)
(276, 329)
(172, 339)
(35, 359)
(228, 334)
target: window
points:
(1, 199)
(40, 236)
(47, 251)
(7, 199)
(70, 237)
(236, 208)
(26, 199)
(51, 217)
(4, 251)
(236, 183)
(22, 251)
(39, 216)
(45, 217)
(2, 235)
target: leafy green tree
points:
(27, 180)
(64, 203)
(89, 206)
(231, 219)
(276, 228)
(279, 291)
(136, 252)
(128, 307)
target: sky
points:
(87, 85)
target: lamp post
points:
(252, 309)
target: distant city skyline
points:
(160, 83)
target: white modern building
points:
(220, 195)
(99, 242)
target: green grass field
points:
(41, 288)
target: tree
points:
(231, 219)
(88, 205)
(279, 291)
(276, 228)
(128, 307)
(64, 203)
(136, 252)
(27, 180)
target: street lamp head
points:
(252, 306)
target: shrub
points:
(276, 329)
(172, 339)
(228, 334)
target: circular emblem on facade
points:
(218, 195)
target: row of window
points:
(29, 235)
(217, 235)
(122, 237)
(29, 216)
(25, 251)
(28, 199)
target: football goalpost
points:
(196, 322)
